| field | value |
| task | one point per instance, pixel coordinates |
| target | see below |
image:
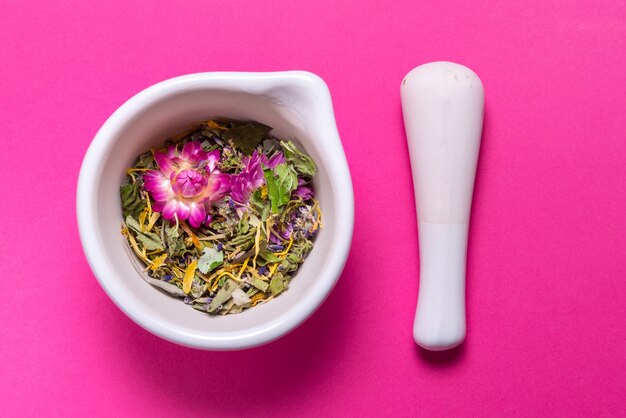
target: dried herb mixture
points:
(222, 216)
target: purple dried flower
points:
(302, 191)
(286, 231)
(274, 238)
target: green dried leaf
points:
(265, 214)
(269, 257)
(146, 160)
(237, 309)
(198, 287)
(174, 241)
(245, 241)
(202, 307)
(171, 232)
(133, 224)
(277, 285)
(270, 145)
(243, 226)
(210, 259)
(223, 295)
(227, 307)
(260, 284)
(251, 252)
(287, 177)
(168, 287)
(302, 162)
(246, 137)
(272, 190)
(132, 203)
(280, 183)
(256, 199)
(150, 240)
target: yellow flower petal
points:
(158, 262)
(245, 264)
(133, 170)
(142, 219)
(222, 274)
(190, 271)
(257, 245)
(194, 238)
(286, 250)
(214, 125)
(273, 268)
(155, 217)
(135, 247)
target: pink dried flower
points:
(186, 183)
(250, 178)
(276, 159)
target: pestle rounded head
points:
(442, 77)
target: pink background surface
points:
(547, 259)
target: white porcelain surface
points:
(442, 105)
(298, 106)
